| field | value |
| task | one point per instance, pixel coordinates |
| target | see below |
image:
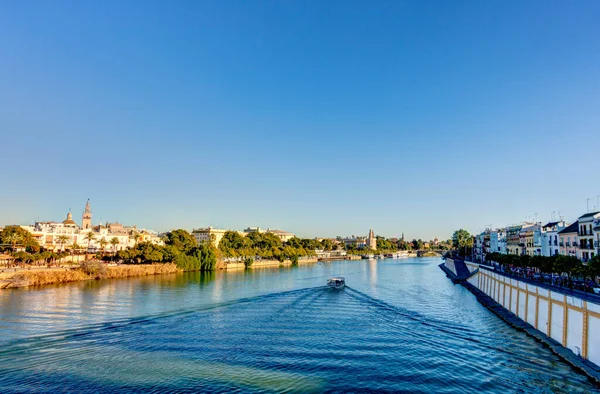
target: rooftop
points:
(551, 224)
(573, 228)
(589, 215)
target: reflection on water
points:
(400, 325)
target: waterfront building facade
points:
(209, 234)
(498, 241)
(597, 232)
(513, 240)
(531, 238)
(550, 244)
(59, 236)
(284, 236)
(215, 235)
(358, 242)
(587, 241)
(567, 243)
(580, 239)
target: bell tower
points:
(86, 218)
(372, 240)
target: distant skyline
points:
(320, 118)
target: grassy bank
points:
(85, 272)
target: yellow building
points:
(209, 234)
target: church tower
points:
(372, 240)
(86, 218)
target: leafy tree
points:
(103, 242)
(567, 264)
(149, 253)
(75, 247)
(181, 239)
(592, 269)
(89, 237)
(232, 242)
(16, 235)
(62, 240)
(461, 238)
(114, 241)
(136, 237)
(417, 244)
(326, 244)
(462, 241)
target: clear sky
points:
(323, 118)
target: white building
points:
(498, 241)
(587, 241)
(597, 232)
(59, 236)
(567, 240)
(550, 238)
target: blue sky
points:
(321, 118)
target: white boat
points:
(337, 282)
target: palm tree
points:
(115, 242)
(62, 240)
(103, 242)
(74, 246)
(13, 238)
(136, 237)
(89, 237)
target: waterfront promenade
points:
(566, 321)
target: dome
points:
(69, 221)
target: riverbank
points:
(269, 263)
(38, 276)
(25, 278)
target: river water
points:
(399, 326)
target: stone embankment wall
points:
(569, 320)
(269, 263)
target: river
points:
(399, 326)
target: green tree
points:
(232, 243)
(103, 242)
(417, 244)
(149, 253)
(136, 237)
(89, 237)
(327, 244)
(567, 264)
(462, 241)
(181, 239)
(114, 241)
(461, 238)
(75, 246)
(62, 240)
(592, 269)
(16, 235)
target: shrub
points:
(294, 259)
(248, 261)
(94, 269)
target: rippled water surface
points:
(400, 325)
